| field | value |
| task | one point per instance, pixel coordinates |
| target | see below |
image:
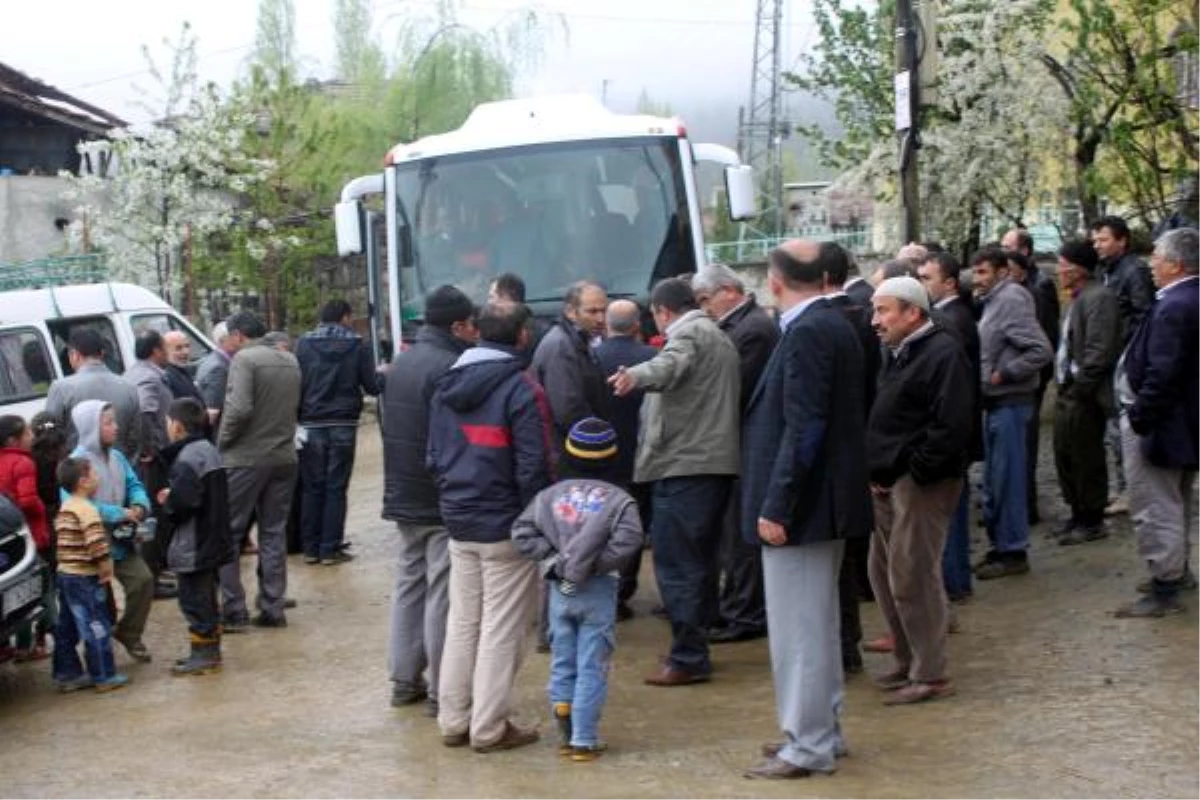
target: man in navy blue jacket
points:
(804, 492)
(1160, 407)
(489, 431)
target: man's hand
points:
(162, 496)
(880, 491)
(996, 378)
(771, 532)
(622, 382)
(135, 513)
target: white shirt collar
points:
(1161, 292)
(793, 313)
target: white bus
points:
(554, 189)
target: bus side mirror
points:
(348, 221)
(739, 190)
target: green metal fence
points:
(856, 240)
(60, 271)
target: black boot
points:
(204, 658)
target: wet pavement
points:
(1056, 698)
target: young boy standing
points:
(581, 530)
(84, 566)
(195, 532)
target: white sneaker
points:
(1117, 505)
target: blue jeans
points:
(1005, 504)
(325, 465)
(82, 614)
(956, 556)
(686, 537)
(582, 639)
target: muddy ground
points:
(1056, 699)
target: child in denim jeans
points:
(581, 530)
(84, 567)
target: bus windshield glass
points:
(614, 211)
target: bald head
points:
(623, 318)
(797, 263)
(801, 249)
(178, 346)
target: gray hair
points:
(1180, 246)
(711, 277)
(220, 332)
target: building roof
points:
(18, 90)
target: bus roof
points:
(29, 305)
(536, 120)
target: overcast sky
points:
(693, 54)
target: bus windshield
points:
(614, 211)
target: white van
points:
(36, 324)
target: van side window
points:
(60, 330)
(25, 371)
(167, 322)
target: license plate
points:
(22, 594)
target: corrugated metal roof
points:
(21, 91)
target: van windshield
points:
(25, 371)
(611, 210)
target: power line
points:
(146, 70)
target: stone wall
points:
(29, 205)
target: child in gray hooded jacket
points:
(581, 530)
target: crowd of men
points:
(788, 462)
(284, 424)
(789, 465)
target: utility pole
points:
(908, 131)
(763, 129)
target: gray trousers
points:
(419, 607)
(911, 523)
(1162, 506)
(266, 493)
(801, 586)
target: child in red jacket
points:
(19, 481)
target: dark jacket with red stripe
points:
(489, 443)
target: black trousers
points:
(629, 573)
(1080, 458)
(1032, 437)
(854, 560)
(198, 602)
(742, 603)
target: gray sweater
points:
(579, 528)
(262, 401)
(691, 414)
(1011, 342)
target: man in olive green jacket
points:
(689, 449)
(257, 444)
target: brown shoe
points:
(512, 738)
(776, 769)
(919, 693)
(456, 739)
(668, 675)
(896, 679)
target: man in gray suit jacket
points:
(804, 492)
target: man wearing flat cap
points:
(918, 439)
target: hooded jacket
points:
(19, 482)
(579, 528)
(119, 486)
(489, 443)
(409, 492)
(195, 530)
(335, 368)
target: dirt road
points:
(1056, 698)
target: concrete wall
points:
(29, 205)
